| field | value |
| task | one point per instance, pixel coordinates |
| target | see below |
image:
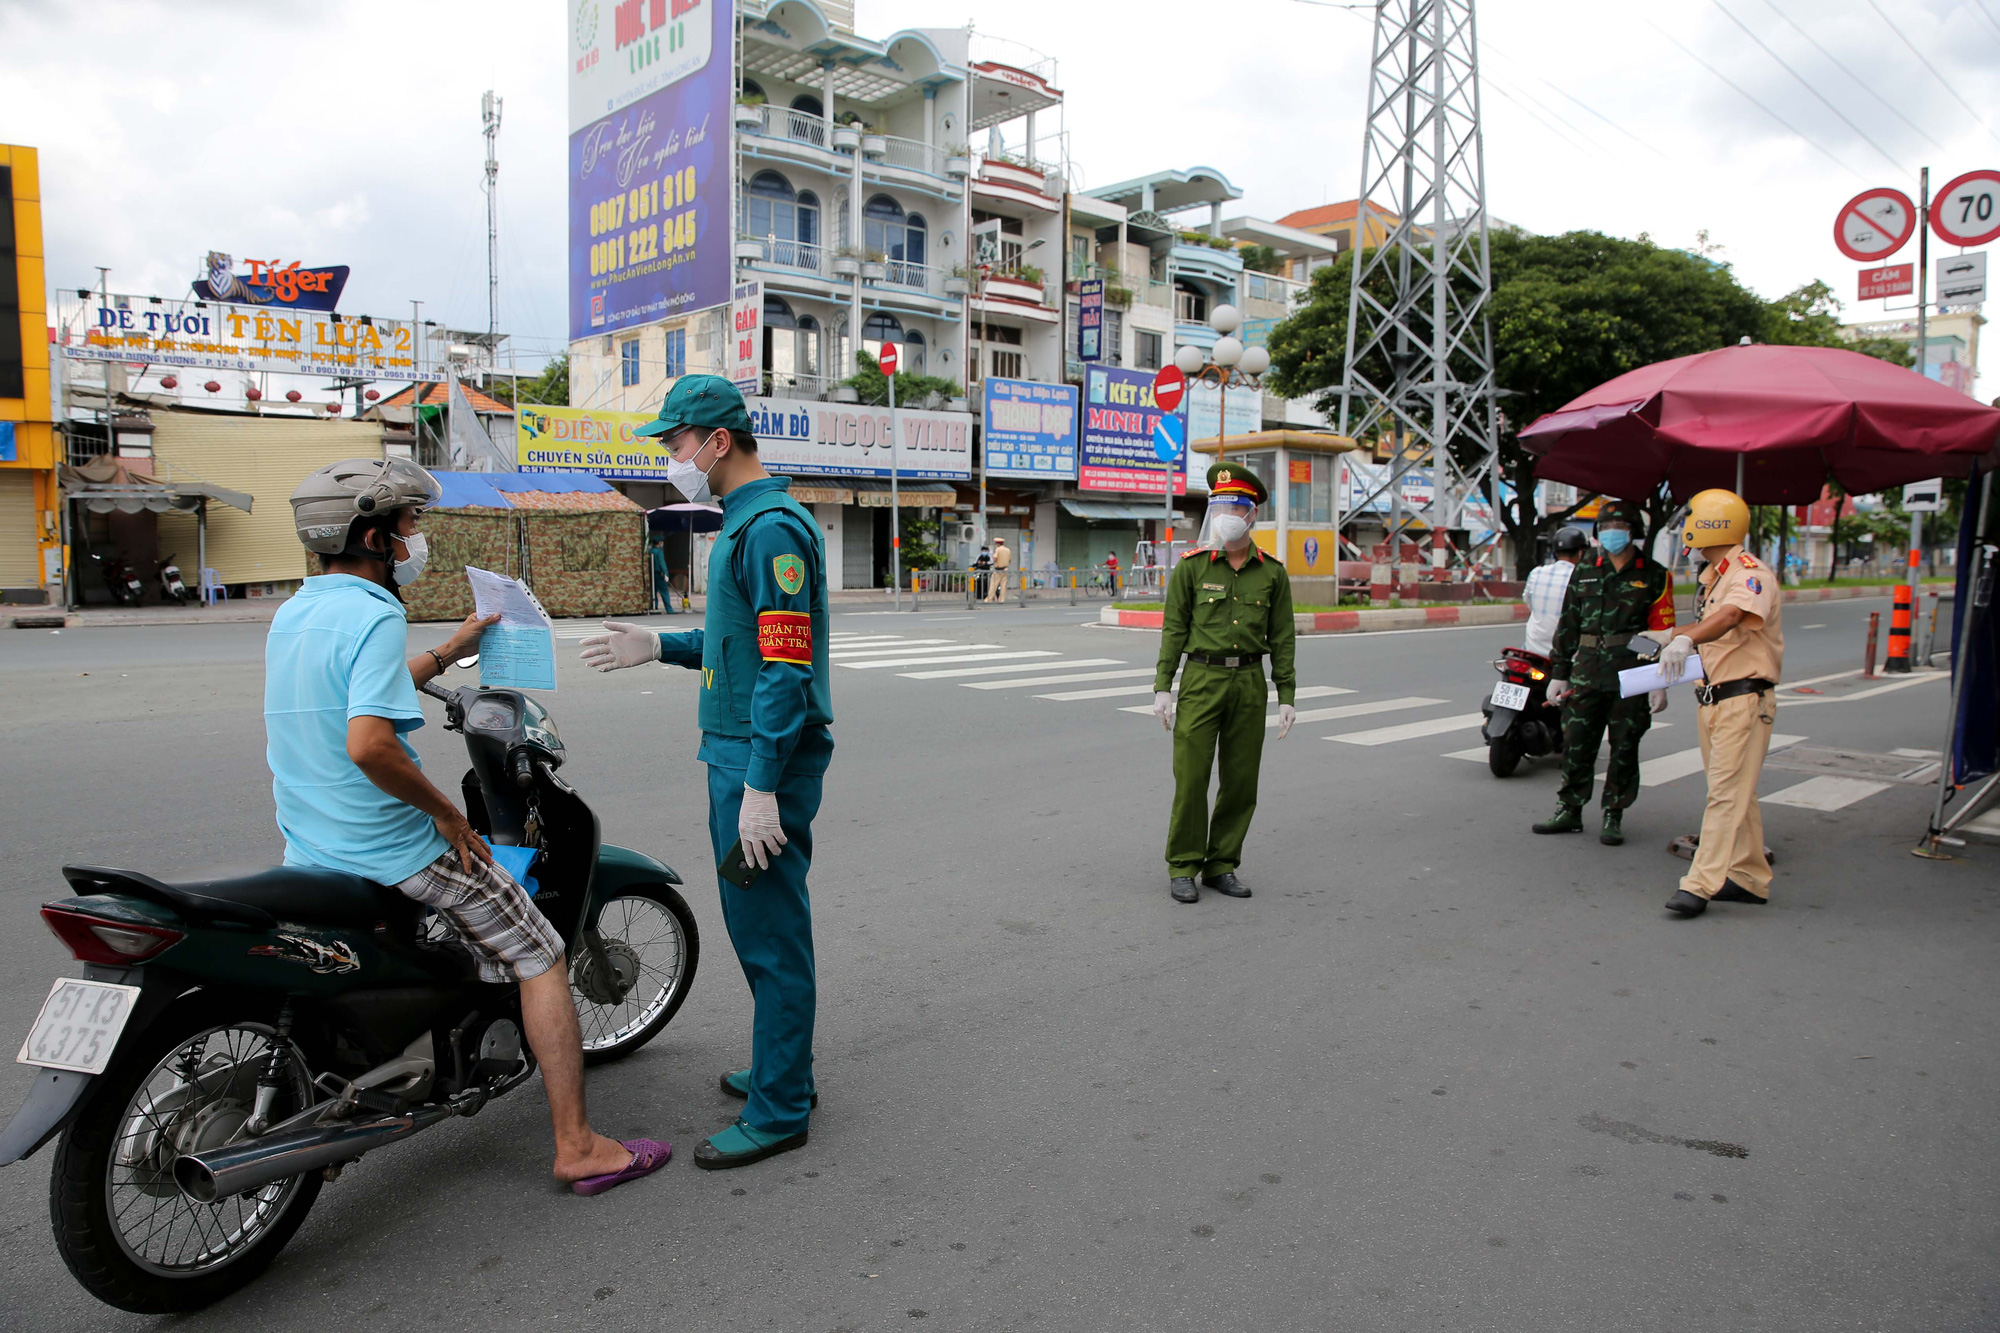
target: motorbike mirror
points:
(470, 660)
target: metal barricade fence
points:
(1075, 583)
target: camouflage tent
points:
(568, 535)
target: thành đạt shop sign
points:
(1030, 430)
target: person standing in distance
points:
(1003, 560)
(1741, 636)
(1546, 586)
(1611, 600)
(1228, 604)
(766, 714)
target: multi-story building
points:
(30, 537)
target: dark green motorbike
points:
(233, 1043)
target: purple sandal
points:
(647, 1157)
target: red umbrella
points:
(1767, 422)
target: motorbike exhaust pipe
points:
(241, 1167)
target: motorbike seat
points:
(297, 893)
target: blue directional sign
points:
(1169, 438)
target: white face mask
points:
(406, 572)
(1228, 529)
(690, 480)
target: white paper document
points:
(1645, 679)
(518, 653)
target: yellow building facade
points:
(30, 532)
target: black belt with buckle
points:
(1608, 641)
(1218, 660)
(1714, 694)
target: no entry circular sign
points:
(1875, 224)
(1967, 211)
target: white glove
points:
(1558, 691)
(1656, 701)
(626, 645)
(1286, 716)
(1673, 657)
(1163, 708)
(758, 826)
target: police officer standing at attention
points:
(1228, 604)
(765, 715)
(1742, 643)
(1610, 599)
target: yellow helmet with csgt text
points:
(1716, 518)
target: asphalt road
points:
(1438, 1074)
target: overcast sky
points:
(347, 131)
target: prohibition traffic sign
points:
(1168, 386)
(1875, 224)
(887, 361)
(1967, 211)
(1169, 434)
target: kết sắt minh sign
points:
(207, 335)
(793, 436)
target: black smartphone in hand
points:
(738, 869)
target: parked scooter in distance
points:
(120, 580)
(1520, 720)
(172, 589)
(232, 1043)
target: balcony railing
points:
(784, 123)
(901, 273)
(912, 156)
(1270, 287)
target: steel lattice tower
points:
(1419, 360)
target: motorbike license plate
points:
(79, 1026)
(1508, 695)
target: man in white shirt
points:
(1546, 586)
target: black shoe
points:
(1613, 833)
(1732, 892)
(743, 1144)
(1687, 904)
(1226, 883)
(1183, 889)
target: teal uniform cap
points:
(708, 401)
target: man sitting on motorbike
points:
(352, 796)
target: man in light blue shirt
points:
(351, 795)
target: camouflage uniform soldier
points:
(1611, 599)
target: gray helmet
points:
(328, 504)
(1569, 541)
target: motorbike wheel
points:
(652, 947)
(124, 1228)
(1503, 756)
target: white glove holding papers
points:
(623, 645)
(758, 826)
(1674, 657)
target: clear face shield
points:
(1227, 523)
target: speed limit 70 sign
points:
(1967, 211)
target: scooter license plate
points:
(79, 1026)
(1508, 695)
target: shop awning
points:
(910, 494)
(130, 495)
(1115, 509)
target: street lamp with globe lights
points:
(1227, 363)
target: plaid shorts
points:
(491, 914)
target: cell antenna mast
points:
(1419, 369)
(489, 112)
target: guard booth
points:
(1301, 524)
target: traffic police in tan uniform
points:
(1741, 637)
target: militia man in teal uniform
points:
(1228, 606)
(1612, 599)
(766, 713)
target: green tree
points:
(1568, 313)
(551, 387)
(872, 386)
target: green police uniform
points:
(1603, 609)
(1225, 620)
(766, 711)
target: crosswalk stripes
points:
(992, 667)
